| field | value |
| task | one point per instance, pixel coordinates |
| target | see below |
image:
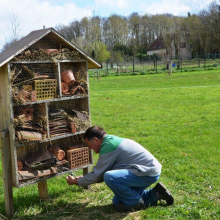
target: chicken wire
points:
(50, 112)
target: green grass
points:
(176, 118)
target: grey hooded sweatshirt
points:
(121, 153)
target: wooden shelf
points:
(54, 100)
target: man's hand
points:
(72, 180)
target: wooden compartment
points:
(30, 123)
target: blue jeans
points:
(129, 188)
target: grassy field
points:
(176, 118)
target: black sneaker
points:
(133, 208)
(164, 194)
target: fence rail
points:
(135, 66)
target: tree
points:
(99, 51)
(94, 29)
(213, 18)
(115, 31)
(15, 30)
(134, 27)
(85, 28)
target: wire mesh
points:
(50, 109)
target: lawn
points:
(176, 118)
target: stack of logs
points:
(27, 128)
(41, 164)
(51, 161)
(49, 54)
(58, 123)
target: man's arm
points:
(105, 163)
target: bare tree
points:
(15, 29)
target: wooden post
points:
(42, 189)
(170, 67)
(85, 171)
(5, 142)
(7, 174)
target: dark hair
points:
(94, 131)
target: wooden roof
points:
(32, 38)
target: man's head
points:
(94, 137)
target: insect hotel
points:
(44, 111)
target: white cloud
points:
(105, 3)
(37, 14)
(123, 3)
(174, 7)
(117, 4)
(201, 4)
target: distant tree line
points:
(117, 38)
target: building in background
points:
(171, 47)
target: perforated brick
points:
(45, 89)
(78, 157)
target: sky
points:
(34, 14)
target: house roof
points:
(32, 39)
(157, 45)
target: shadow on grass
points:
(27, 201)
(68, 210)
(29, 206)
(72, 210)
(82, 212)
(62, 204)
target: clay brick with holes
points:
(78, 157)
(45, 89)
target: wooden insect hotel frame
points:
(44, 111)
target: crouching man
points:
(127, 168)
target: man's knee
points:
(107, 176)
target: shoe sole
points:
(165, 193)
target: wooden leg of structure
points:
(85, 171)
(7, 173)
(42, 189)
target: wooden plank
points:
(6, 167)
(5, 141)
(10, 124)
(42, 189)
(85, 171)
(59, 80)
